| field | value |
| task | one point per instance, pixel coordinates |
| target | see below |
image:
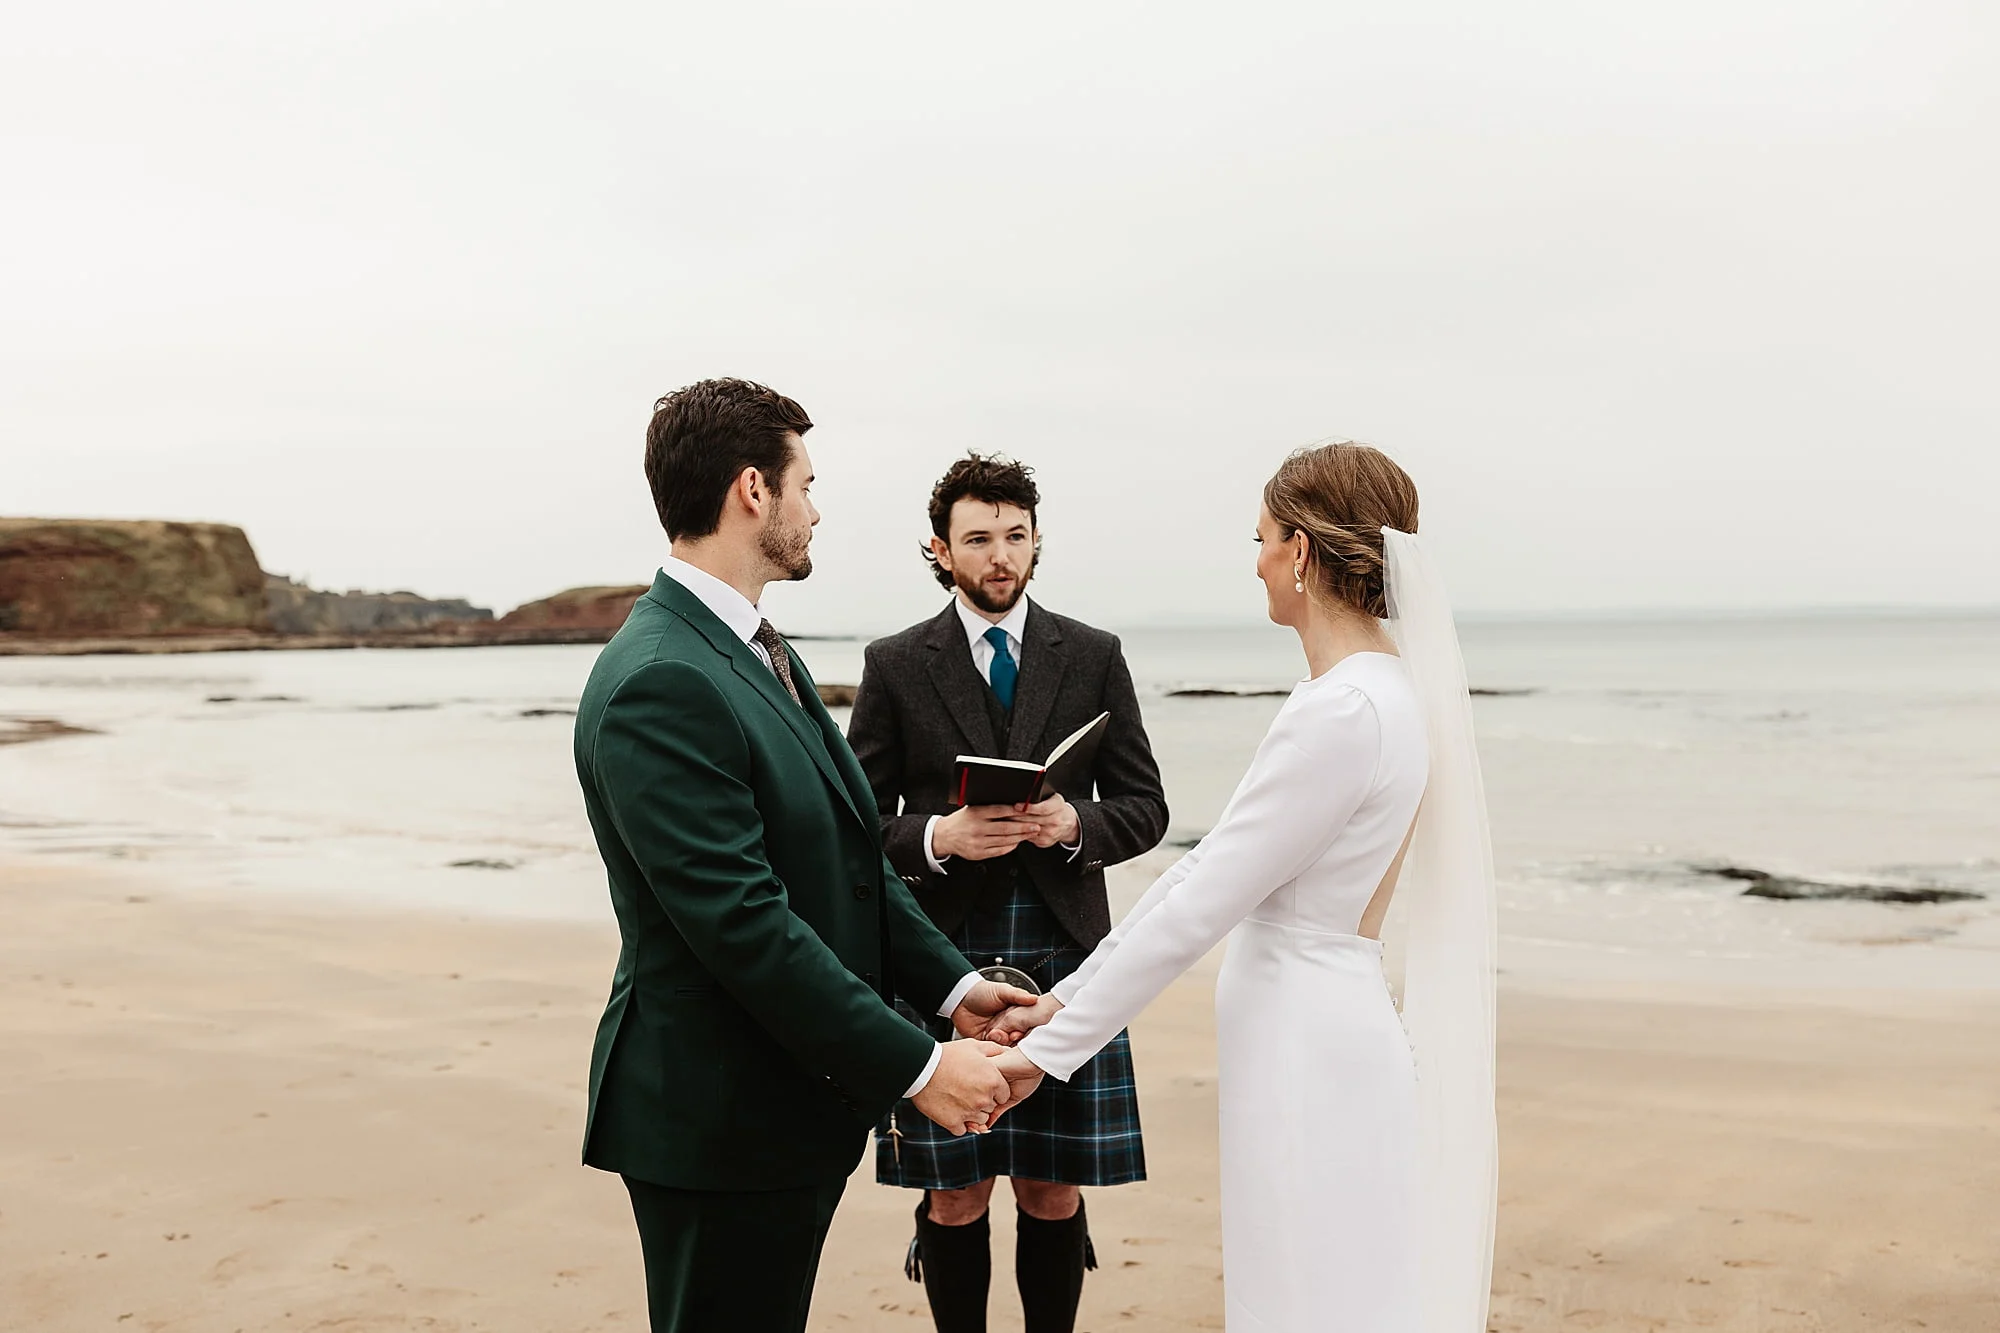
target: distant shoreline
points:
(481, 636)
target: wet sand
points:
(221, 1115)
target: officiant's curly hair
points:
(1341, 496)
(701, 439)
(990, 479)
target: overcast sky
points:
(1686, 305)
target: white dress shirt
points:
(976, 626)
(743, 617)
(983, 654)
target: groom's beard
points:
(788, 549)
(978, 594)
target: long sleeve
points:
(1310, 775)
(696, 833)
(1066, 989)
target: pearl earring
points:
(1298, 579)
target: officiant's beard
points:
(789, 549)
(975, 592)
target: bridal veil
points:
(1447, 895)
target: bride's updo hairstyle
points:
(1341, 496)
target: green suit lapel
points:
(859, 793)
(761, 679)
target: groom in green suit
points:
(749, 1043)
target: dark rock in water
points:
(253, 699)
(1219, 692)
(397, 708)
(1764, 884)
(1207, 692)
(21, 730)
(837, 696)
(548, 712)
(482, 863)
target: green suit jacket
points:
(747, 1044)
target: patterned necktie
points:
(1004, 671)
(781, 658)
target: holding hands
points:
(986, 1005)
(1017, 1021)
(979, 1079)
(968, 1089)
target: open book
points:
(982, 781)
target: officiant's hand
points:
(1055, 822)
(1015, 1023)
(984, 1006)
(982, 832)
(967, 1087)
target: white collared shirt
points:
(976, 627)
(732, 608)
(743, 618)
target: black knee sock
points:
(1049, 1259)
(955, 1264)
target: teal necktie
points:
(1003, 671)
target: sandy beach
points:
(223, 1116)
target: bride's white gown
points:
(1317, 1086)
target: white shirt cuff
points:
(958, 994)
(1075, 851)
(930, 1068)
(951, 1003)
(930, 857)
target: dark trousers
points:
(741, 1262)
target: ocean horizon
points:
(1643, 773)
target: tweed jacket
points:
(922, 702)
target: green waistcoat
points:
(746, 1044)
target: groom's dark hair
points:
(700, 440)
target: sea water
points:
(1632, 766)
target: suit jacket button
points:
(1090, 866)
(861, 890)
(913, 880)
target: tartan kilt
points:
(1083, 1132)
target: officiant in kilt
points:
(995, 674)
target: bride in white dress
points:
(1358, 1158)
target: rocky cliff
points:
(296, 609)
(73, 577)
(108, 586)
(577, 609)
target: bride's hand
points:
(1023, 1077)
(1010, 1025)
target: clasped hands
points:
(982, 832)
(980, 1079)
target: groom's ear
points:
(942, 550)
(751, 489)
